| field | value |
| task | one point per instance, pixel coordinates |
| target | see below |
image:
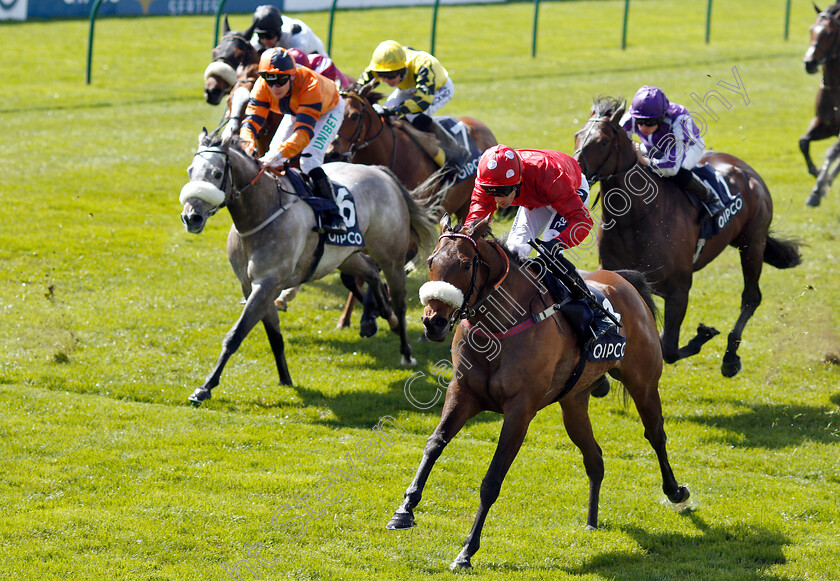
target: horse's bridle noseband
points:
(465, 311)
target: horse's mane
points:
(605, 106)
(834, 10)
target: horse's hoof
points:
(680, 496)
(590, 528)
(400, 521)
(199, 395)
(730, 366)
(706, 331)
(460, 563)
(281, 305)
(408, 362)
(814, 199)
(368, 328)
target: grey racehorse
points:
(272, 246)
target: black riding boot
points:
(451, 154)
(560, 263)
(332, 223)
(689, 181)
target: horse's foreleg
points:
(579, 428)
(752, 254)
(258, 301)
(676, 304)
(649, 406)
(457, 409)
(514, 428)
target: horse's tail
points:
(422, 222)
(642, 286)
(782, 253)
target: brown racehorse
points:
(369, 138)
(649, 225)
(824, 50)
(519, 373)
(372, 139)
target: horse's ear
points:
(816, 8)
(445, 223)
(480, 228)
(202, 136)
(249, 32)
(226, 28)
(366, 88)
(619, 113)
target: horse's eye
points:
(217, 173)
(354, 116)
(466, 264)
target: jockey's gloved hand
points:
(553, 247)
(272, 159)
(389, 112)
(379, 108)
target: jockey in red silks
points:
(546, 186)
(321, 64)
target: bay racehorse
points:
(824, 49)
(369, 138)
(649, 225)
(527, 366)
(272, 246)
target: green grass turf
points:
(111, 315)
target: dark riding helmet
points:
(268, 19)
(276, 61)
(649, 103)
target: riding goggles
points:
(391, 74)
(264, 35)
(649, 122)
(276, 80)
(501, 191)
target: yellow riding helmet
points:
(389, 56)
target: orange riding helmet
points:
(277, 61)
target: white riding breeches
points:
(442, 97)
(540, 223)
(326, 129)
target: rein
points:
(465, 311)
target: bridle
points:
(465, 311)
(595, 175)
(232, 194)
(356, 138)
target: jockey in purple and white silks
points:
(671, 144)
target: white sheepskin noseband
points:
(442, 291)
(203, 191)
(222, 70)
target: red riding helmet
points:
(499, 166)
(277, 61)
(649, 103)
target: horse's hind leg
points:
(649, 407)
(395, 275)
(457, 409)
(752, 259)
(579, 428)
(825, 177)
(676, 304)
(271, 323)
